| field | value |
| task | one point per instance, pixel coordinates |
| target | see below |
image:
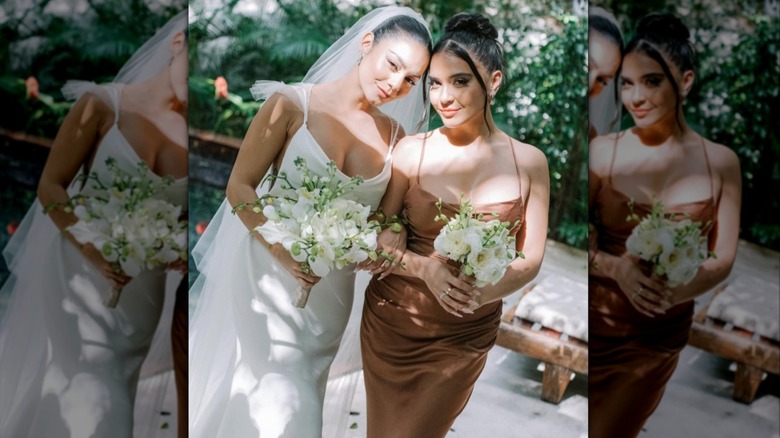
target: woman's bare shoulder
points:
(531, 153)
(600, 151)
(721, 156)
(407, 152)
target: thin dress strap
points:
(116, 95)
(394, 136)
(422, 154)
(514, 158)
(306, 98)
(612, 163)
(709, 169)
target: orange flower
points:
(32, 87)
(220, 88)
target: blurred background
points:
(735, 97)
(542, 102)
(44, 43)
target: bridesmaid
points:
(638, 324)
(425, 334)
(605, 51)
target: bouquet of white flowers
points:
(675, 249)
(484, 248)
(315, 222)
(128, 223)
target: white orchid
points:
(126, 219)
(484, 248)
(675, 248)
(316, 223)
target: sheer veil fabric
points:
(604, 110)
(35, 234)
(212, 345)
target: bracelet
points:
(257, 206)
(394, 223)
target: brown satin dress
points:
(632, 356)
(420, 362)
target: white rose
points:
(451, 244)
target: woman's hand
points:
(648, 295)
(293, 267)
(109, 270)
(177, 265)
(453, 294)
(389, 242)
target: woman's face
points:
(390, 68)
(603, 62)
(647, 92)
(455, 92)
(179, 67)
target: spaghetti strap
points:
(514, 158)
(709, 168)
(306, 99)
(422, 154)
(394, 136)
(612, 163)
(116, 94)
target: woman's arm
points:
(714, 271)
(624, 270)
(85, 124)
(392, 205)
(268, 134)
(532, 237)
(265, 139)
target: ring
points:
(449, 289)
(441, 297)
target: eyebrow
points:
(645, 76)
(456, 75)
(401, 61)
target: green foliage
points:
(734, 101)
(738, 107)
(544, 105)
(542, 101)
(53, 49)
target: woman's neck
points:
(660, 132)
(471, 131)
(158, 93)
(349, 94)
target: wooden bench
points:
(562, 355)
(754, 353)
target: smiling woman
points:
(424, 325)
(605, 50)
(69, 364)
(259, 365)
(639, 318)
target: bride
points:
(70, 364)
(259, 365)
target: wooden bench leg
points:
(746, 383)
(554, 382)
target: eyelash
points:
(458, 83)
(654, 82)
(394, 66)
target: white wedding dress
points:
(259, 365)
(69, 365)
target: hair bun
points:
(660, 24)
(471, 23)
